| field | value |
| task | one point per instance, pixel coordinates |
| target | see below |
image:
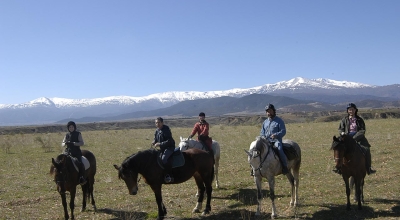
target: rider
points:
(354, 125)
(274, 129)
(201, 128)
(163, 139)
(73, 139)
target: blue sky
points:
(95, 49)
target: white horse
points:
(191, 143)
(265, 163)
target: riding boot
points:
(168, 170)
(82, 180)
(368, 162)
(282, 159)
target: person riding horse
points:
(202, 128)
(73, 140)
(163, 139)
(273, 128)
(354, 125)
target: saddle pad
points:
(177, 159)
(84, 161)
(289, 151)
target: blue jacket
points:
(276, 126)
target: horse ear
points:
(116, 167)
(53, 161)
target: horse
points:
(66, 176)
(350, 162)
(265, 163)
(196, 163)
(187, 143)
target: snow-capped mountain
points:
(49, 110)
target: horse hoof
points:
(196, 211)
(205, 213)
(273, 216)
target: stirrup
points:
(168, 179)
(82, 181)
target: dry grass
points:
(28, 192)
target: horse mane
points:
(136, 160)
(261, 141)
(344, 140)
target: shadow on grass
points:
(120, 214)
(340, 212)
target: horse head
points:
(339, 149)
(126, 173)
(184, 144)
(257, 148)
(60, 171)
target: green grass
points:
(28, 192)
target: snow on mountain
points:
(175, 96)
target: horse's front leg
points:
(71, 202)
(346, 181)
(271, 183)
(358, 191)
(64, 203)
(84, 196)
(207, 210)
(200, 190)
(162, 211)
(257, 180)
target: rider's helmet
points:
(71, 123)
(202, 114)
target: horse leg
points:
(216, 165)
(358, 191)
(84, 196)
(346, 181)
(208, 185)
(271, 183)
(257, 180)
(64, 203)
(295, 188)
(162, 211)
(352, 188)
(362, 191)
(200, 190)
(71, 202)
(91, 195)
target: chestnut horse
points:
(350, 161)
(197, 163)
(66, 177)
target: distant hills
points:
(296, 95)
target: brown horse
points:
(198, 163)
(66, 177)
(350, 162)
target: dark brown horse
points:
(67, 178)
(350, 161)
(198, 163)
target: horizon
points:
(94, 49)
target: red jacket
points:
(201, 128)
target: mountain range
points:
(297, 94)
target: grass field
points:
(27, 191)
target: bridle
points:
(262, 160)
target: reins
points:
(265, 158)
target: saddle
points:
(76, 164)
(177, 159)
(289, 151)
